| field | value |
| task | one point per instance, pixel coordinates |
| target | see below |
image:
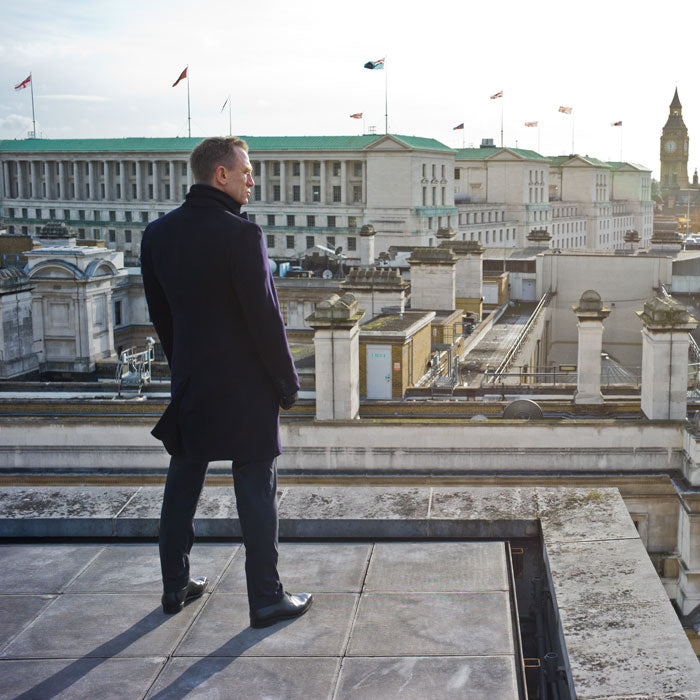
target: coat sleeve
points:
(255, 290)
(158, 307)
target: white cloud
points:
(75, 98)
(15, 126)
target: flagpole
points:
(386, 98)
(31, 85)
(230, 133)
(189, 120)
(538, 136)
(621, 144)
(573, 122)
(503, 99)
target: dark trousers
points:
(255, 484)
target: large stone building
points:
(321, 190)
(674, 149)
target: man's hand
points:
(286, 402)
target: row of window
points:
(65, 214)
(467, 218)
(564, 211)
(293, 220)
(310, 242)
(337, 193)
(569, 227)
(315, 168)
(433, 171)
(434, 201)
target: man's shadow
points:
(196, 674)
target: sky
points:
(106, 69)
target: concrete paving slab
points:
(627, 650)
(65, 679)
(102, 625)
(432, 624)
(438, 566)
(223, 629)
(17, 611)
(66, 511)
(583, 515)
(216, 513)
(483, 512)
(603, 573)
(136, 568)
(43, 568)
(324, 567)
(370, 511)
(458, 677)
(251, 677)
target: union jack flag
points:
(566, 110)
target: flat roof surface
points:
(393, 322)
(389, 619)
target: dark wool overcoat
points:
(213, 303)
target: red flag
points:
(497, 95)
(24, 83)
(616, 124)
(183, 75)
(357, 115)
(459, 126)
(530, 123)
(566, 110)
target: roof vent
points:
(522, 409)
(487, 143)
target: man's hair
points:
(213, 152)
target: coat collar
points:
(207, 196)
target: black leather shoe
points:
(289, 606)
(174, 602)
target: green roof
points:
(481, 153)
(186, 144)
(558, 160)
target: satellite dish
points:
(339, 250)
(522, 409)
(327, 275)
(273, 265)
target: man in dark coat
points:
(213, 303)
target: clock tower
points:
(674, 149)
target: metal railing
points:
(134, 368)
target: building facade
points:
(321, 190)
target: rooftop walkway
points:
(389, 620)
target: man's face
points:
(239, 179)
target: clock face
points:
(670, 146)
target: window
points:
(423, 170)
(296, 193)
(310, 242)
(276, 168)
(150, 191)
(144, 217)
(25, 213)
(96, 234)
(425, 196)
(336, 193)
(331, 222)
(52, 213)
(290, 220)
(316, 193)
(127, 236)
(167, 191)
(102, 190)
(433, 170)
(330, 241)
(442, 196)
(316, 169)
(311, 221)
(270, 240)
(296, 167)
(434, 196)
(112, 235)
(442, 172)
(352, 243)
(96, 215)
(133, 191)
(336, 168)
(352, 222)
(66, 214)
(117, 168)
(117, 313)
(457, 173)
(150, 168)
(270, 219)
(357, 193)
(256, 194)
(112, 215)
(430, 222)
(276, 193)
(127, 216)
(290, 242)
(251, 218)
(256, 168)
(119, 191)
(357, 170)
(38, 213)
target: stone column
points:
(665, 358)
(190, 177)
(263, 181)
(76, 178)
(156, 181)
(7, 184)
(107, 165)
(34, 180)
(302, 181)
(323, 182)
(283, 181)
(61, 189)
(336, 341)
(48, 181)
(367, 234)
(139, 181)
(21, 181)
(591, 314)
(91, 179)
(343, 181)
(433, 279)
(173, 182)
(123, 180)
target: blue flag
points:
(375, 65)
